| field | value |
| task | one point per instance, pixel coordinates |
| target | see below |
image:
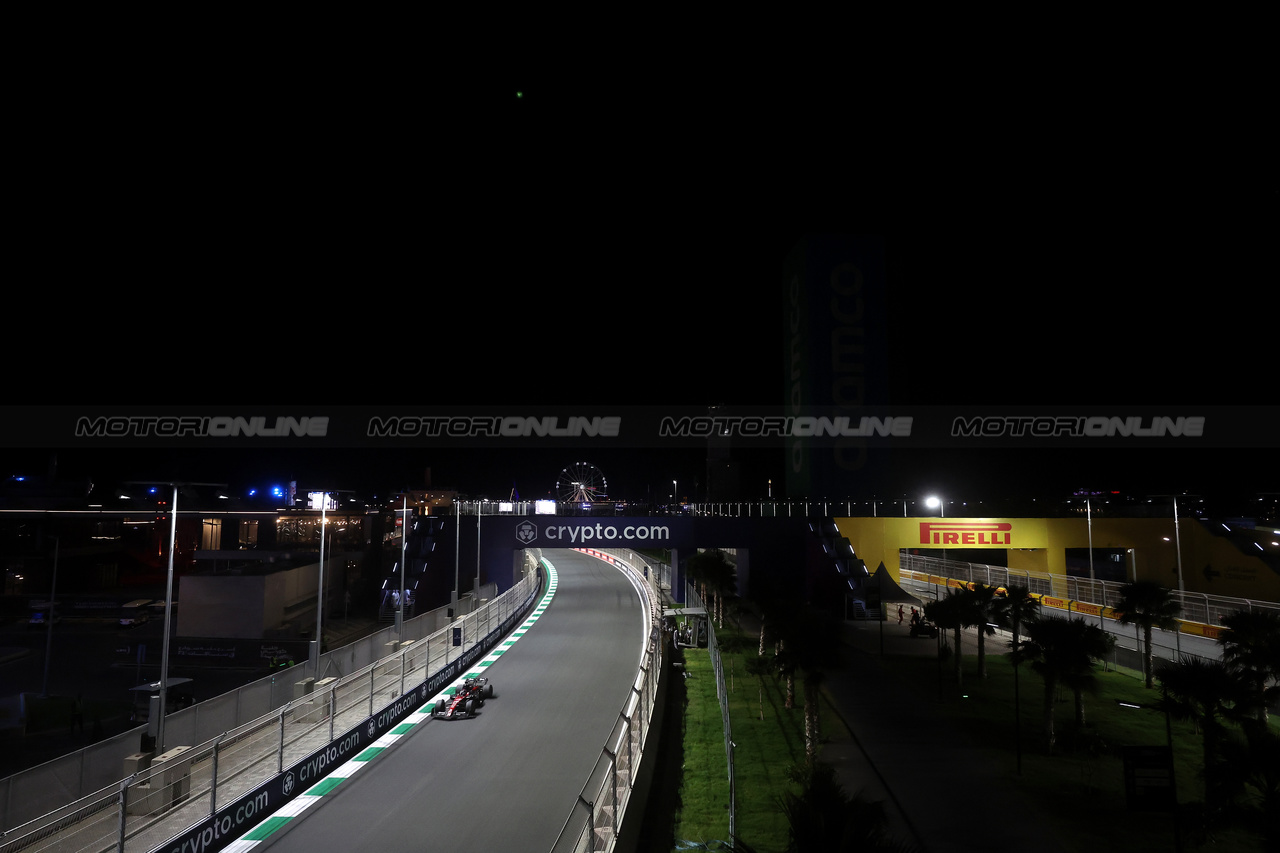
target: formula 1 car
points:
(924, 628)
(466, 701)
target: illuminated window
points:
(211, 534)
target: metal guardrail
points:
(928, 575)
(187, 785)
(1196, 606)
(596, 819)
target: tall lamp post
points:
(934, 501)
(318, 640)
(404, 550)
(457, 556)
(1177, 544)
(53, 604)
(315, 641)
(1093, 581)
(168, 603)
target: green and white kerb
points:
(326, 786)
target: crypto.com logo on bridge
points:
(565, 533)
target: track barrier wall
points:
(201, 798)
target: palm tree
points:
(822, 816)
(948, 614)
(759, 667)
(1208, 692)
(980, 612)
(1062, 652)
(808, 648)
(1015, 609)
(1251, 646)
(1255, 763)
(715, 575)
(787, 654)
(1096, 644)
(770, 600)
(1148, 605)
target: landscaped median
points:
(1082, 791)
(769, 739)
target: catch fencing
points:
(216, 781)
(1200, 614)
(1197, 607)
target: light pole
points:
(404, 546)
(1088, 514)
(168, 605)
(315, 641)
(168, 599)
(457, 555)
(53, 604)
(318, 640)
(1177, 544)
(1177, 539)
(934, 501)
(1093, 584)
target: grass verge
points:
(769, 740)
(1081, 783)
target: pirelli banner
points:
(972, 533)
(932, 533)
(880, 540)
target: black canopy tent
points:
(883, 588)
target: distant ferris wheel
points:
(581, 482)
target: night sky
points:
(618, 238)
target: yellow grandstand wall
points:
(1210, 564)
(877, 540)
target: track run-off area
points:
(507, 778)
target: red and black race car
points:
(465, 701)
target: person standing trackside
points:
(900, 614)
(77, 715)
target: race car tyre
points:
(439, 707)
(470, 707)
(488, 691)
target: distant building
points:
(834, 311)
(427, 501)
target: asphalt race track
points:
(508, 778)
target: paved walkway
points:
(939, 784)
